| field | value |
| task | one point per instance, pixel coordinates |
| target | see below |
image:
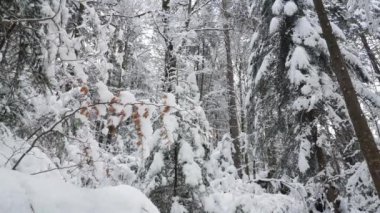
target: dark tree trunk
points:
(202, 78)
(232, 106)
(170, 75)
(170, 58)
(371, 55)
(367, 143)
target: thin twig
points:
(7, 35)
(193, 10)
(124, 16)
(217, 29)
(57, 168)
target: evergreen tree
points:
(293, 85)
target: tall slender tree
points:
(295, 103)
(232, 95)
(367, 142)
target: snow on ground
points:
(21, 193)
(49, 193)
(11, 149)
(253, 203)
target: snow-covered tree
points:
(293, 85)
(204, 105)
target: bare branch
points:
(134, 16)
(210, 29)
(7, 35)
(193, 10)
(56, 168)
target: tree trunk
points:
(371, 55)
(170, 58)
(201, 82)
(367, 143)
(170, 74)
(232, 106)
(242, 117)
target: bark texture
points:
(367, 143)
(371, 55)
(170, 58)
(232, 104)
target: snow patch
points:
(263, 68)
(337, 31)
(277, 7)
(21, 193)
(290, 8)
(104, 94)
(298, 62)
(157, 164)
(303, 164)
(274, 25)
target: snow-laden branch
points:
(211, 28)
(129, 17)
(49, 130)
(33, 19)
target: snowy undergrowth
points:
(21, 193)
(48, 192)
(11, 149)
(229, 194)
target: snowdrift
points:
(22, 193)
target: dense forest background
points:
(203, 105)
